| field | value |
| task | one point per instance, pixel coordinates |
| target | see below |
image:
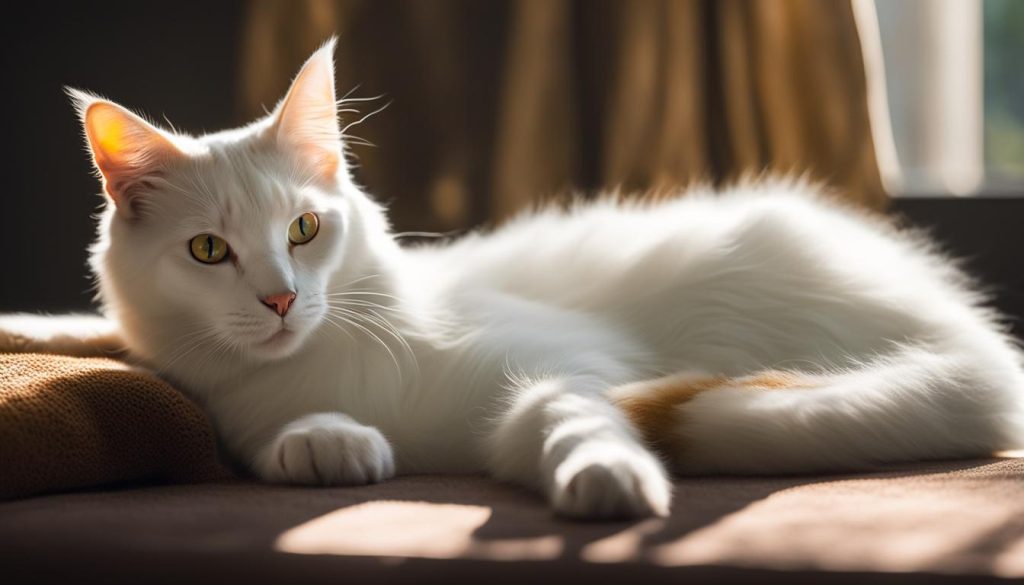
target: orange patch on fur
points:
(771, 380)
(651, 406)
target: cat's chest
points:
(428, 388)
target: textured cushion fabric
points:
(68, 423)
(926, 523)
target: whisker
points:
(349, 92)
(387, 326)
(361, 292)
(356, 302)
(348, 100)
(364, 118)
(393, 331)
(394, 359)
(185, 344)
(360, 279)
(351, 139)
(328, 316)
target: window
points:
(1004, 93)
(956, 94)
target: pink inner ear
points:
(307, 119)
(125, 147)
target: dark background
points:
(181, 62)
(184, 64)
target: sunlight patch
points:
(411, 529)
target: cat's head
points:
(229, 240)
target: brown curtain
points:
(495, 104)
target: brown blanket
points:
(68, 423)
(917, 524)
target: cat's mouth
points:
(283, 336)
(277, 345)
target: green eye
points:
(304, 228)
(208, 248)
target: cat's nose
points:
(280, 303)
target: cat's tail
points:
(916, 404)
(75, 334)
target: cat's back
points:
(772, 271)
(565, 252)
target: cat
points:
(584, 351)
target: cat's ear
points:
(306, 121)
(125, 148)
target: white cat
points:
(759, 330)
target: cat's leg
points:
(326, 449)
(78, 335)
(561, 436)
(918, 403)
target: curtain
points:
(495, 105)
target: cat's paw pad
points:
(615, 487)
(335, 454)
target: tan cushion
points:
(68, 423)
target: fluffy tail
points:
(77, 335)
(916, 404)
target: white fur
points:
(494, 353)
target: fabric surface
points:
(68, 423)
(494, 105)
(924, 523)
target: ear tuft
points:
(125, 148)
(306, 120)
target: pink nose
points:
(280, 303)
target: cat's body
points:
(750, 280)
(757, 330)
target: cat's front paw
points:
(327, 449)
(614, 484)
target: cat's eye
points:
(208, 248)
(304, 228)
